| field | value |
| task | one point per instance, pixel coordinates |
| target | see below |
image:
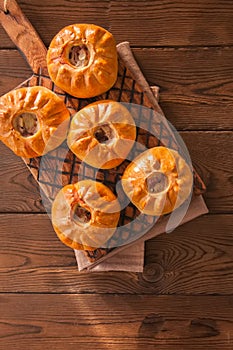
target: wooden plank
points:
(143, 23)
(23, 35)
(48, 18)
(194, 259)
(19, 190)
(209, 152)
(109, 322)
(172, 23)
(13, 70)
(200, 73)
(196, 84)
(212, 156)
(189, 115)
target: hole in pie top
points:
(80, 214)
(79, 56)
(156, 182)
(26, 124)
(104, 133)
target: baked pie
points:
(33, 121)
(102, 134)
(85, 214)
(82, 60)
(158, 181)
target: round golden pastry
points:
(30, 119)
(158, 181)
(85, 214)
(82, 60)
(102, 134)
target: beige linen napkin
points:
(131, 256)
(131, 259)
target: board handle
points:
(23, 35)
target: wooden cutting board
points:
(61, 167)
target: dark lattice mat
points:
(61, 167)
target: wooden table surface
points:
(184, 298)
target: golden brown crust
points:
(83, 141)
(103, 206)
(157, 162)
(50, 112)
(98, 75)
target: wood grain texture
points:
(172, 23)
(212, 156)
(45, 303)
(13, 70)
(147, 23)
(210, 153)
(19, 190)
(115, 322)
(48, 18)
(23, 35)
(195, 84)
(194, 259)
